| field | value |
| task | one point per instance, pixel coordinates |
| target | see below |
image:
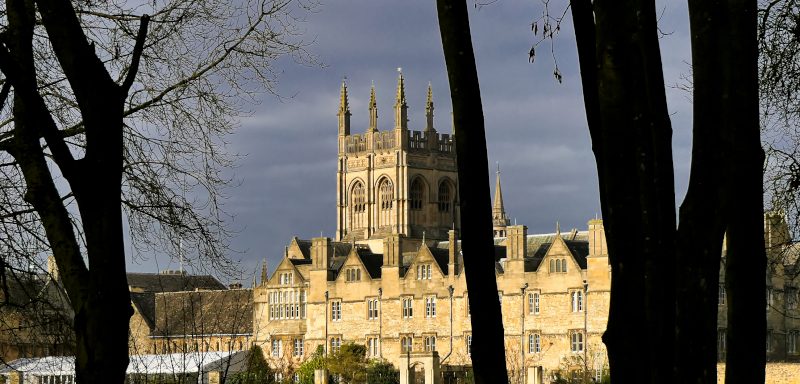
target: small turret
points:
(373, 111)
(400, 107)
(499, 219)
(264, 272)
(429, 110)
(344, 111)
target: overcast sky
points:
(536, 127)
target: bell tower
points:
(396, 181)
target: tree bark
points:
(488, 350)
(725, 59)
(98, 292)
(631, 134)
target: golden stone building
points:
(392, 278)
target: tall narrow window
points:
(406, 343)
(576, 342)
(577, 301)
(722, 295)
(372, 309)
(415, 195)
(297, 351)
(430, 306)
(336, 310)
(533, 303)
(408, 307)
(791, 342)
(336, 344)
(444, 197)
(534, 343)
(358, 204)
(386, 200)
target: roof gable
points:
(425, 255)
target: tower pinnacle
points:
(344, 111)
(373, 110)
(499, 219)
(400, 107)
(429, 109)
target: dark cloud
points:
(536, 127)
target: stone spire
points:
(499, 219)
(344, 111)
(264, 272)
(400, 107)
(429, 110)
(373, 110)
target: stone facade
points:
(392, 278)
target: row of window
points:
(297, 347)
(287, 278)
(197, 346)
(558, 265)
(792, 298)
(576, 302)
(373, 308)
(407, 306)
(429, 344)
(285, 305)
(792, 337)
(417, 196)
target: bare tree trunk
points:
(98, 292)
(725, 59)
(631, 137)
(488, 353)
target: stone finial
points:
(373, 110)
(344, 111)
(499, 219)
(429, 109)
(400, 106)
(264, 271)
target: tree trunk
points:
(631, 138)
(98, 294)
(725, 57)
(488, 350)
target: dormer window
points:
(424, 272)
(287, 278)
(353, 274)
(558, 265)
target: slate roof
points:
(372, 261)
(165, 282)
(442, 257)
(145, 303)
(204, 312)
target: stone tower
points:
(395, 181)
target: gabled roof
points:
(145, 303)
(165, 282)
(442, 257)
(204, 312)
(578, 248)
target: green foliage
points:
(257, 370)
(316, 361)
(382, 372)
(349, 363)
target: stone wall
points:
(777, 373)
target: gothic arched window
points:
(416, 195)
(358, 203)
(386, 200)
(445, 197)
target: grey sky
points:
(536, 127)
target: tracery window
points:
(386, 200)
(415, 195)
(444, 197)
(358, 203)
